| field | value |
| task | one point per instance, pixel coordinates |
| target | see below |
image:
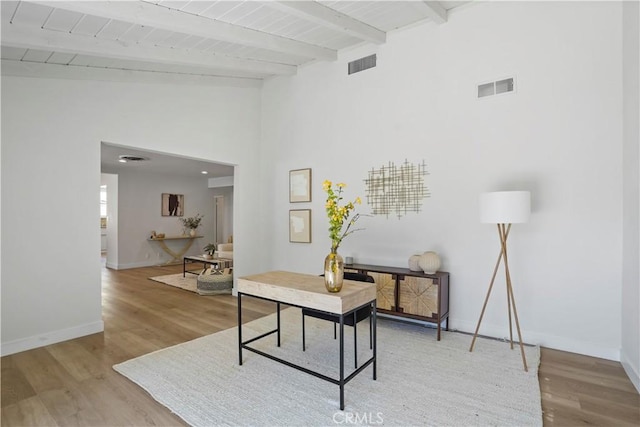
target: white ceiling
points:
(159, 163)
(203, 42)
(195, 41)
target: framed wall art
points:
(300, 185)
(300, 226)
(172, 204)
(397, 189)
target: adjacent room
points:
(427, 211)
(140, 184)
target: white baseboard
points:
(550, 341)
(52, 337)
(631, 370)
(134, 265)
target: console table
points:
(176, 256)
(412, 294)
(308, 291)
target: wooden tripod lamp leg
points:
(503, 243)
(484, 306)
(511, 301)
(503, 231)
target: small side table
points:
(217, 263)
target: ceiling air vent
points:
(362, 64)
(132, 158)
(496, 88)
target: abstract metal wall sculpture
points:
(397, 189)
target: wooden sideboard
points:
(413, 294)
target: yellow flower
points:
(337, 214)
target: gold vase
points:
(333, 271)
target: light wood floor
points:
(72, 383)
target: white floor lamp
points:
(504, 208)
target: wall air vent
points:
(131, 158)
(362, 64)
(496, 88)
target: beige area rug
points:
(188, 283)
(420, 381)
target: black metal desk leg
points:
(240, 328)
(342, 362)
(278, 324)
(184, 266)
(355, 340)
(375, 340)
(303, 333)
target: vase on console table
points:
(192, 232)
(333, 271)
(429, 262)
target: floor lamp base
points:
(503, 231)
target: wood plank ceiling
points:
(194, 41)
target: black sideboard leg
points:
(374, 329)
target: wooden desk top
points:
(307, 291)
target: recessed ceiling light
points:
(204, 172)
(131, 158)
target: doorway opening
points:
(135, 212)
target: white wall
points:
(139, 213)
(51, 134)
(630, 352)
(558, 136)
